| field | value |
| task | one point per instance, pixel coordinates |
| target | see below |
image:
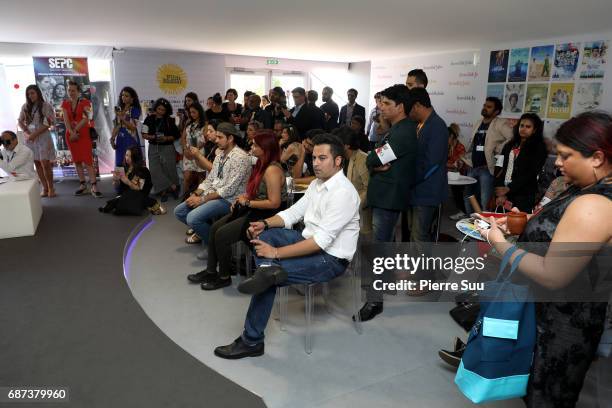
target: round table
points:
(462, 181)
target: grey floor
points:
(67, 318)
(393, 363)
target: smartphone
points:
(117, 109)
(481, 224)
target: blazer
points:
(358, 110)
(499, 133)
(308, 118)
(391, 189)
(431, 183)
(359, 175)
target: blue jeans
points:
(383, 224)
(482, 189)
(202, 217)
(420, 221)
(318, 267)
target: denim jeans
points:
(383, 224)
(482, 189)
(202, 217)
(318, 267)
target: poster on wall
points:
(52, 75)
(514, 99)
(566, 61)
(496, 91)
(541, 63)
(594, 59)
(535, 99)
(498, 66)
(560, 101)
(517, 67)
(551, 126)
(588, 96)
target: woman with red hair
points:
(266, 194)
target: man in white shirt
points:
(16, 159)
(321, 252)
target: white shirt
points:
(20, 161)
(330, 211)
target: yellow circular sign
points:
(171, 78)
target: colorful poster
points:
(517, 67)
(551, 127)
(514, 99)
(540, 64)
(594, 59)
(566, 61)
(496, 91)
(560, 101)
(52, 75)
(588, 96)
(498, 66)
(535, 99)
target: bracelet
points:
(276, 254)
(266, 226)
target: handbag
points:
(93, 133)
(466, 314)
(497, 360)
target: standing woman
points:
(217, 110)
(231, 106)
(125, 131)
(76, 112)
(193, 136)
(161, 132)
(524, 156)
(185, 119)
(36, 117)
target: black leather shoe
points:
(201, 277)
(452, 358)
(369, 311)
(239, 349)
(262, 279)
(458, 344)
(216, 283)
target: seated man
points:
(214, 197)
(15, 159)
(305, 158)
(330, 210)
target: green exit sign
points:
(272, 61)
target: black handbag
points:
(131, 202)
(465, 315)
(93, 133)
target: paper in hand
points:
(385, 154)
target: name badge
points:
(499, 160)
(480, 148)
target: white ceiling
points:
(330, 30)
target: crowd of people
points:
(240, 163)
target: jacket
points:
(358, 110)
(499, 133)
(359, 175)
(307, 118)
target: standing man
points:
(302, 116)
(321, 252)
(351, 109)
(374, 122)
(330, 109)
(390, 181)
(416, 78)
(490, 135)
(430, 189)
(259, 114)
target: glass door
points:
(253, 81)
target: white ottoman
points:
(20, 207)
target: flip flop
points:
(190, 231)
(193, 239)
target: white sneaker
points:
(456, 217)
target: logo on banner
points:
(171, 78)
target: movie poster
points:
(594, 59)
(496, 91)
(566, 61)
(517, 67)
(551, 127)
(588, 96)
(498, 66)
(535, 99)
(560, 101)
(52, 75)
(514, 98)
(541, 62)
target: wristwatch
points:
(266, 226)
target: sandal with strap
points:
(193, 239)
(82, 189)
(190, 231)
(94, 190)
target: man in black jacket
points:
(351, 109)
(302, 116)
(259, 114)
(330, 109)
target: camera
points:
(117, 109)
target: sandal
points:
(190, 231)
(44, 193)
(94, 190)
(193, 239)
(82, 189)
(52, 193)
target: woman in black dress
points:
(517, 179)
(217, 111)
(568, 333)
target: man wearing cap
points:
(226, 181)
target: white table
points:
(20, 207)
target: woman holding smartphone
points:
(193, 136)
(77, 111)
(125, 131)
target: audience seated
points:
(16, 159)
(193, 136)
(290, 148)
(304, 162)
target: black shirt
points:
(478, 156)
(164, 126)
(223, 116)
(237, 111)
(331, 108)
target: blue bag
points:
(497, 360)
